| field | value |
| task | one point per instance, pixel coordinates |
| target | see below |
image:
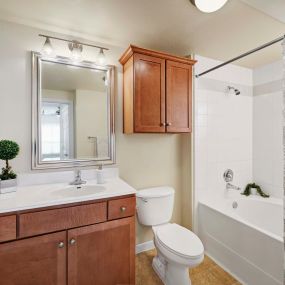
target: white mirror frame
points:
(37, 59)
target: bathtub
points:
(245, 236)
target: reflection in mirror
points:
(74, 113)
(74, 108)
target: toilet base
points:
(170, 273)
(159, 265)
(177, 274)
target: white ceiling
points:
(275, 8)
(168, 25)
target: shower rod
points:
(242, 55)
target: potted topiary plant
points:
(8, 150)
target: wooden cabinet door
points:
(102, 254)
(34, 261)
(149, 90)
(178, 97)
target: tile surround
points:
(230, 131)
(223, 128)
(267, 128)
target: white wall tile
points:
(223, 132)
(267, 132)
(243, 133)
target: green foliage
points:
(7, 173)
(247, 190)
(8, 150)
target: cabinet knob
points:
(72, 241)
(168, 124)
(123, 209)
(61, 244)
(163, 124)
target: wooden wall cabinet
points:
(157, 92)
(100, 253)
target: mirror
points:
(72, 113)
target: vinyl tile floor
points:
(207, 273)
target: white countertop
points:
(45, 195)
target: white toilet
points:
(178, 249)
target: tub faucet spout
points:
(231, 186)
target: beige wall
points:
(147, 160)
(90, 120)
(186, 203)
(58, 94)
(143, 159)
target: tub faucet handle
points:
(228, 175)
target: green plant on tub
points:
(247, 190)
(8, 151)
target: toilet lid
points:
(180, 240)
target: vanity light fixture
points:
(104, 78)
(47, 47)
(76, 50)
(101, 58)
(208, 6)
(75, 47)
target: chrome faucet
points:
(77, 180)
(231, 186)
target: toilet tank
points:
(155, 205)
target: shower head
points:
(235, 90)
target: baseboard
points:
(145, 246)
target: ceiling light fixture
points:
(208, 6)
(75, 47)
(47, 47)
(76, 50)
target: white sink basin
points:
(78, 191)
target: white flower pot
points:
(8, 186)
(253, 191)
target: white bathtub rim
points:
(221, 264)
(243, 221)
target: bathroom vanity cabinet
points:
(79, 244)
(157, 92)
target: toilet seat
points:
(180, 241)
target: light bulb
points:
(209, 6)
(101, 58)
(47, 47)
(76, 50)
(76, 55)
